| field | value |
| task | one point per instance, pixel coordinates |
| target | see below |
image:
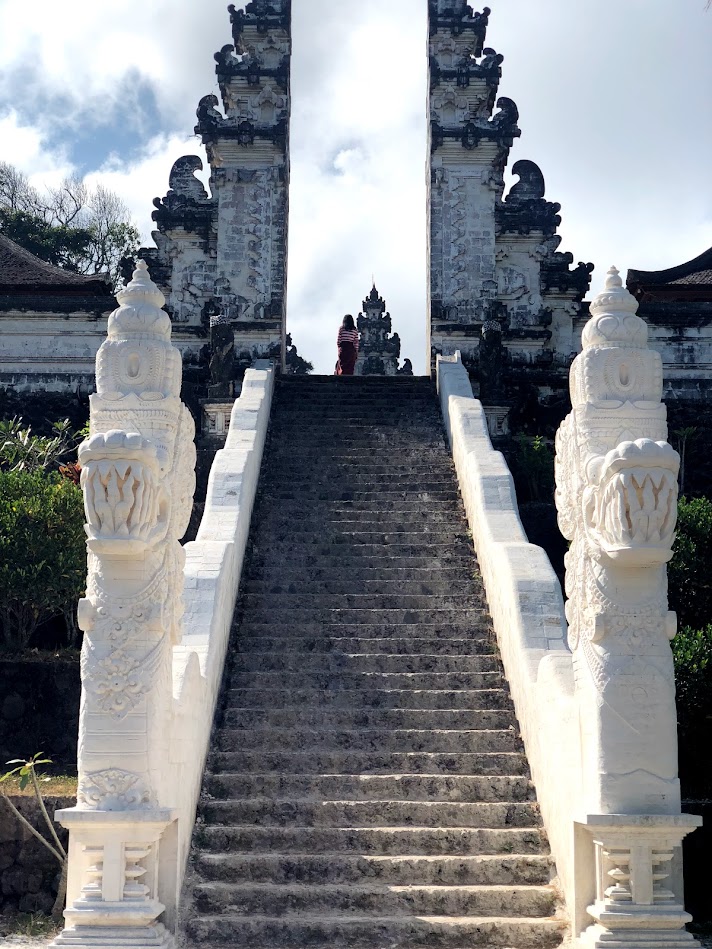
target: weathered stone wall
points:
(29, 874)
(39, 709)
(48, 351)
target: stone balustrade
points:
(598, 718)
(156, 620)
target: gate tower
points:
(223, 257)
(493, 262)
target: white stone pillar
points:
(616, 495)
(138, 481)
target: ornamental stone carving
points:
(138, 481)
(616, 494)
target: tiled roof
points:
(697, 272)
(20, 270)
(703, 278)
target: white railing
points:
(156, 620)
(597, 715)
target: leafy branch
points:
(27, 774)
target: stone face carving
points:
(616, 494)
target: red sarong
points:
(347, 359)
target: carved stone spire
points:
(378, 349)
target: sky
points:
(614, 102)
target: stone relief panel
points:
(468, 270)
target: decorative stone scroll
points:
(138, 482)
(616, 494)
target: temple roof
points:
(22, 271)
(688, 281)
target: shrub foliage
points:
(42, 552)
(690, 582)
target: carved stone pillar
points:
(616, 494)
(138, 481)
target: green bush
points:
(22, 450)
(42, 552)
(690, 588)
(692, 651)
(533, 464)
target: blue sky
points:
(613, 100)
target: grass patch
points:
(61, 785)
(34, 925)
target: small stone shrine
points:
(379, 349)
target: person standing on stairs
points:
(347, 343)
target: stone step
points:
(477, 628)
(483, 870)
(362, 572)
(431, 740)
(363, 645)
(374, 555)
(339, 681)
(339, 539)
(299, 662)
(362, 787)
(355, 699)
(406, 518)
(367, 718)
(372, 841)
(337, 900)
(382, 498)
(372, 932)
(349, 508)
(509, 763)
(351, 617)
(350, 584)
(337, 446)
(371, 813)
(279, 527)
(363, 481)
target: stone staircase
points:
(366, 785)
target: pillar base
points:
(112, 885)
(598, 937)
(634, 908)
(115, 937)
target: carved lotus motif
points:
(124, 500)
(630, 505)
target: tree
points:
(26, 773)
(87, 231)
(296, 364)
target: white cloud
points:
(24, 146)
